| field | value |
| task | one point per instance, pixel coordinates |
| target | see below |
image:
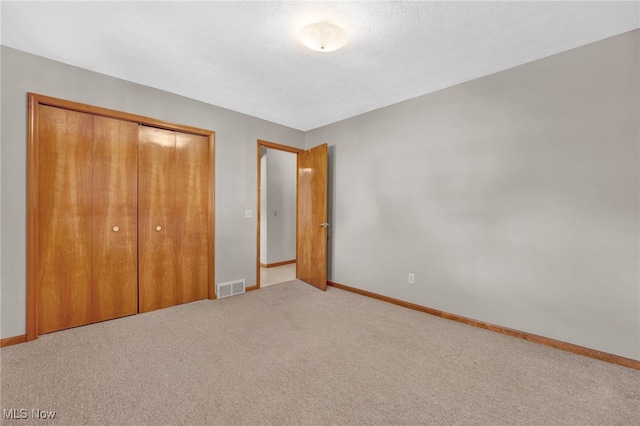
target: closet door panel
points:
(115, 217)
(156, 192)
(191, 213)
(64, 218)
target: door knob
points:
(323, 225)
(116, 228)
(158, 228)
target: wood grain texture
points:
(64, 218)
(279, 147)
(547, 341)
(211, 219)
(190, 217)
(156, 194)
(120, 115)
(115, 204)
(311, 247)
(34, 210)
(276, 264)
(32, 218)
(15, 340)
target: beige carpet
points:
(292, 355)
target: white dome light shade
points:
(323, 36)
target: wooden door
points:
(156, 195)
(312, 225)
(104, 233)
(64, 218)
(190, 218)
(115, 219)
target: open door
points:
(311, 247)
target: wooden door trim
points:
(32, 220)
(15, 340)
(34, 102)
(547, 341)
(278, 147)
(276, 264)
(211, 218)
(110, 113)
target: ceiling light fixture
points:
(323, 36)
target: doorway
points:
(310, 216)
(277, 193)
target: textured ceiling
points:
(245, 56)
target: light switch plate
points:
(248, 214)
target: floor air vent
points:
(230, 289)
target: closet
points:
(173, 212)
(120, 215)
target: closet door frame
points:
(34, 102)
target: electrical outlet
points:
(412, 279)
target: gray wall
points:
(278, 193)
(281, 197)
(235, 189)
(512, 198)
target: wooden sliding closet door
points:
(156, 195)
(64, 218)
(191, 212)
(173, 203)
(119, 214)
(115, 219)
